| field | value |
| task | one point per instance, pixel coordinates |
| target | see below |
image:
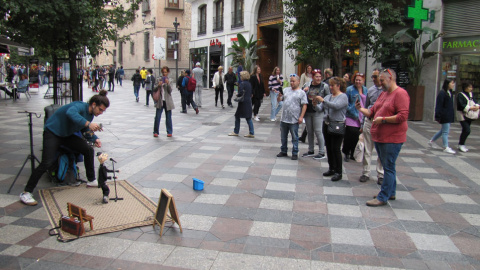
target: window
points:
(173, 4)
(218, 19)
(132, 48)
(120, 52)
(171, 45)
(237, 14)
(202, 21)
(146, 46)
(114, 53)
(145, 6)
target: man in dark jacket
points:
(111, 77)
(230, 80)
(137, 81)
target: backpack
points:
(192, 83)
(67, 169)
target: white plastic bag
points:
(359, 149)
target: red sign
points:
(214, 42)
(234, 39)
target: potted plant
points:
(413, 61)
(245, 53)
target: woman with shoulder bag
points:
(335, 107)
(465, 104)
(444, 115)
(244, 108)
(165, 102)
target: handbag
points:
(239, 98)
(471, 114)
(336, 128)
(70, 225)
(156, 93)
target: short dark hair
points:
(466, 84)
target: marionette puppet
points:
(102, 175)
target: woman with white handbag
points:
(467, 111)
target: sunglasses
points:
(293, 75)
(374, 76)
(388, 70)
(359, 74)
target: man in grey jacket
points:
(198, 73)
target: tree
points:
(326, 28)
(245, 53)
(63, 28)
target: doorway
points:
(271, 36)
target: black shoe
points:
(302, 140)
(308, 154)
(281, 154)
(294, 157)
(329, 173)
(364, 178)
(380, 181)
(336, 177)
(346, 158)
(319, 156)
(183, 111)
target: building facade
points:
(154, 19)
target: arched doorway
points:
(270, 31)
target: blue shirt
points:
(70, 119)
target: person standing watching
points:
(335, 106)
(464, 104)
(60, 130)
(111, 78)
(230, 80)
(328, 72)
(444, 115)
(314, 115)
(275, 83)
(218, 81)
(258, 90)
(372, 96)
(389, 131)
(294, 108)
(198, 73)
(307, 76)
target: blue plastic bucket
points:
(198, 184)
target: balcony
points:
(202, 28)
(218, 24)
(237, 19)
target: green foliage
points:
(245, 53)
(414, 57)
(326, 28)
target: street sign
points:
(159, 48)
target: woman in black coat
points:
(244, 108)
(258, 89)
(444, 114)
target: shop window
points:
(132, 48)
(146, 46)
(237, 14)
(218, 19)
(202, 21)
(171, 46)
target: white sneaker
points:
(449, 150)
(273, 120)
(463, 148)
(93, 183)
(27, 198)
(433, 145)
(256, 119)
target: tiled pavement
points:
(257, 211)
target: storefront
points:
(199, 55)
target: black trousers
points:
(350, 141)
(465, 130)
(218, 91)
(256, 102)
(51, 145)
(230, 90)
(333, 143)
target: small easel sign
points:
(166, 203)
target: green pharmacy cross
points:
(417, 13)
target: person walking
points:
(258, 90)
(121, 74)
(111, 78)
(96, 78)
(372, 96)
(137, 82)
(143, 73)
(335, 107)
(198, 73)
(444, 115)
(230, 80)
(389, 131)
(182, 90)
(60, 129)
(218, 81)
(165, 102)
(275, 83)
(315, 114)
(188, 94)
(149, 84)
(465, 103)
(294, 108)
(353, 119)
(244, 108)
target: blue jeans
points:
(444, 133)
(388, 153)
(168, 119)
(276, 106)
(237, 125)
(136, 89)
(285, 128)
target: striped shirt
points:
(274, 84)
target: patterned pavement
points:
(256, 211)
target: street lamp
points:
(176, 24)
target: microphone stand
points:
(31, 156)
(115, 183)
